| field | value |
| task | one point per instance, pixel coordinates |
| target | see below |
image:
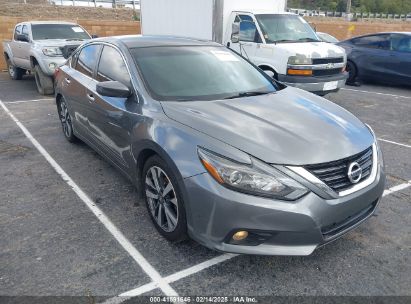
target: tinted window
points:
(87, 59)
(197, 73)
(17, 32)
(248, 30)
(58, 31)
(112, 67)
(401, 43)
(375, 42)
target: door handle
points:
(67, 80)
(90, 97)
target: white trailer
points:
(282, 44)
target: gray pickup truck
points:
(40, 47)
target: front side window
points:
(25, 30)
(17, 31)
(198, 73)
(248, 29)
(401, 43)
(58, 31)
(285, 28)
(87, 59)
(112, 67)
(374, 42)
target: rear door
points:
(401, 50)
(110, 117)
(374, 57)
(74, 84)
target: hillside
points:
(42, 9)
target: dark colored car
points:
(382, 57)
(221, 151)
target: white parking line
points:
(30, 100)
(117, 234)
(397, 188)
(377, 93)
(394, 143)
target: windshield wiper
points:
(309, 40)
(282, 40)
(248, 94)
(75, 39)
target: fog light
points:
(52, 66)
(240, 235)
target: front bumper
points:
(214, 213)
(317, 85)
(47, 62)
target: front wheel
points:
(65, 120)
(44, 82)
(15, 73)
(164, 200)
(352, 72)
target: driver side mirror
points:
(235, 33)
(113, 89)
(22, 37)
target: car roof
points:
(381, 33)
(137, 41)
(50, 22)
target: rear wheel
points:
(15, 73)
(44, 83)
(352, 72)
(65, 120)
(164, 200)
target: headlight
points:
(52, 51)
(257, 179)
(299, 59)
(379, 152)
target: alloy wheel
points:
(162, 199)
(65, 119)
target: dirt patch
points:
(9, 148)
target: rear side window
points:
(374, 42)
(401, 43)
(17, 31)
(112, 67)
(87, 59)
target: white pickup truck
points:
(40, 47)
(282, 44)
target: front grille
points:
(334, 174)
(334, 229)
(328, 60)
(327, 72)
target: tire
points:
(65, 120)
(166, 209)
(44, 83)
(15, 73)
(352, 72)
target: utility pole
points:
(348, 11)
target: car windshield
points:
(58, 31)
(198, 73)
(285, 28)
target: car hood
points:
(58, 42)
(289, 127)
(311, 49)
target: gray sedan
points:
(221, 152)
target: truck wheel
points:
(14, 72)
(44, 83)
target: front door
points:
(249, 37)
